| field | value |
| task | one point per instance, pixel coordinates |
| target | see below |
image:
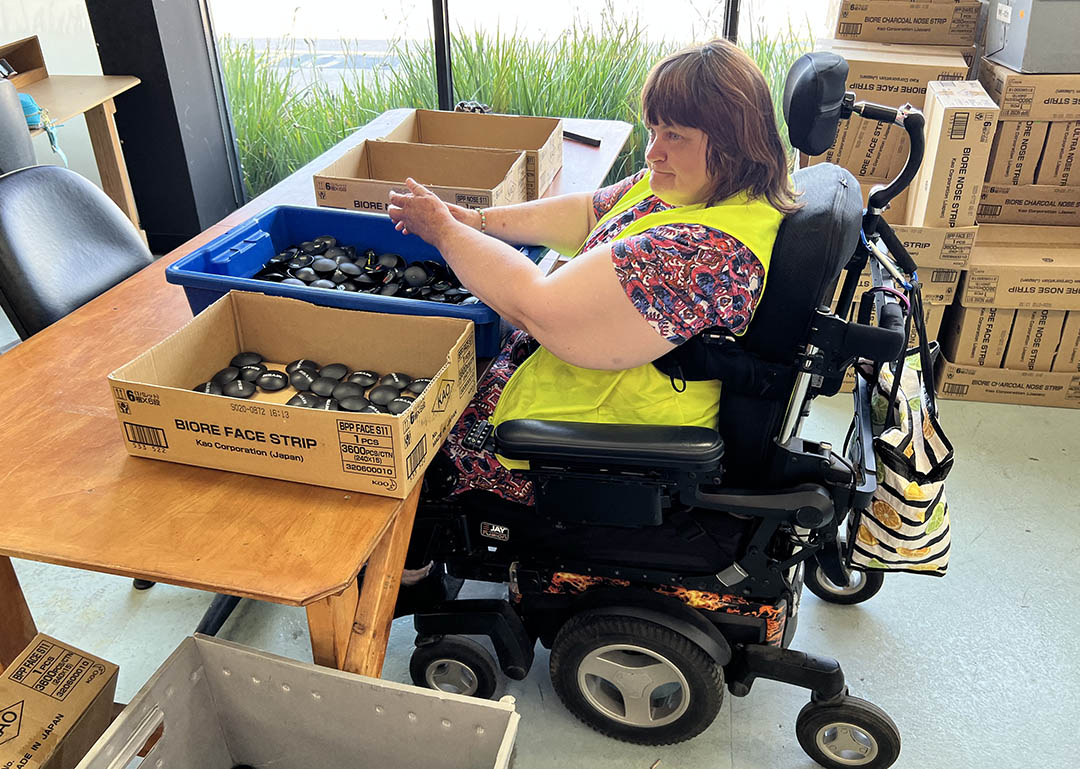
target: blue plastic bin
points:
(229, 261)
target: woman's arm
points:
(560, 223)
(581, 313)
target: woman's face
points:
(676, 156)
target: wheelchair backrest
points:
(812, 248)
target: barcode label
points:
(944, 276)
(954, 389)
(958, 128)
(141, 435)
(985, 209)
(416, 457)
(950, 76)
(850, 28)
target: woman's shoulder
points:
(606, 197)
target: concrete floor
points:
(980, 668)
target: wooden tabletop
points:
(73, 496)
(65, 96)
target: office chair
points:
(16, 149)
(62, 243)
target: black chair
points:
(16, 150)
(661, 563)
(63, 242)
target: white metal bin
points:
(222, 704)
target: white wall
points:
(67, 42)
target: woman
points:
(679, 247)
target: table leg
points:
(375, 607)
(17, 628)
(330, 622)
(110, 158)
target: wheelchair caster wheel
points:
(851, 733)
(634, 680)
(863, 585)
(455, 664)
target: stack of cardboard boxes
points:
(1013, 334)
(895, 50)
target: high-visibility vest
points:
(545, 387)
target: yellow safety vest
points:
(545, 387)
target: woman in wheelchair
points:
(652, 529)
(681, 246)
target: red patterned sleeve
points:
(685, 278)
(603, 199)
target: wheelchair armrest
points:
(807, 504)
(666, 446)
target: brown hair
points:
(718, 89)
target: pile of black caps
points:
(322, 263)
(333, 387)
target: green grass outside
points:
(589, 72)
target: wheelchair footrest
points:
(822, 675)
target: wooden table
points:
(73, 496)
(65, 97)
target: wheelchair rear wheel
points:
(849, 733)
(863, 585)
(454, 664)
(634, 680)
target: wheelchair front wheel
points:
(850, 733)
(862, 585)
(454, 664)
(635, 680)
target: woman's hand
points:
(421, 212)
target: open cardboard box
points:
(539, 137)
(162, 418)
(363, 177)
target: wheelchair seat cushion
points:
(640, 445)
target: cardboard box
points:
(541, 138)
(1029, 204)
(1034, 35)
(1031, 388)
(939, 285)
(960, 122)
(1068, 357)
(1059, 155)
(977, 336)
(894, 21)
(1031, 97)
(162, 418)
(1015, 155)
(892, 75)
(1034, 340)
(55, 701)
(897, 210)
(937, 247)
(1023, 268)
(967, 51)
(363, 177)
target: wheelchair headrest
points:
(813, 94)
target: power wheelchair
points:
(659, 563)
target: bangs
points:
(668, 96)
